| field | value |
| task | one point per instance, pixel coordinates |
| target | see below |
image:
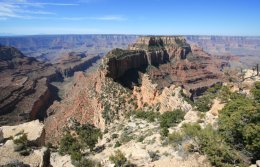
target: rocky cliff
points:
(167, 60)
(147, 51)
(90, 98)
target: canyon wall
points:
(26, 92)
(145, 51)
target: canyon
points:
(246, 48)
(26, 89)
(50, 47)
(160, 68)
(104, 87)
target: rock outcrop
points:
(167, 60)
(34, 130)
(168, 99)
(57, 160)
(146, 51)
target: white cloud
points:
(24, 9)
(105, 18)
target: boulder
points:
(58, 160)
(258, 163)
(34, 130)
(9, 156)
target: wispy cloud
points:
(105, 18)
(24, 9)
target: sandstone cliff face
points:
(168, 99)
(167, 61)
(146, 51)
(119, 61)
(161, 49)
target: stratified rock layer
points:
(167, 60)
(24, 87)
(26, 92)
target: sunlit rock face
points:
(167, 60)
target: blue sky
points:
(159, 17)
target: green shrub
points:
(22, 139)
(171, 118)
(89, 135)
(118, 144)
(118, 159)
(22, 144)
(209, 142)
(256, 92)
(218, 151)
(75, 156)
(86, 137)
(239, 123)
(148, 115)
(204, 103)
(164, 132)
(191, 130)
(175, 137)
(141, 139)
(153, 155)
(214, 89)
(224, 94)
(68, 144)
(125, 137)
(114, 136)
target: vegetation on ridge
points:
(236, 141)
(75, 143)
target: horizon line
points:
(130, 34)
